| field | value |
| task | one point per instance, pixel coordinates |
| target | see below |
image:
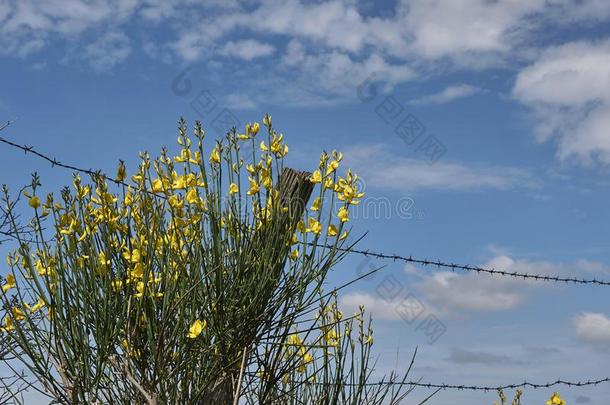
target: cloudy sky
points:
(481, 130)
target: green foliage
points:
(198, 281)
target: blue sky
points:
(516, 93)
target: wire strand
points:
(525, 384)
(476, 269)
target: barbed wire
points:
(54, 162)
(525, 384)
(407, 259)
(477, 269)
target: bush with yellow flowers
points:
(197, 279)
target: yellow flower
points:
(176, 202)
(254, 187)
(301, 227)
(294, 254)
(267, 120)
(192, 197)
(233, 188)
(307, 357)
(316, 204)
(128, 198)
(332, 166)
(18, 313)
(196, 328)
(344, 235)
(157, 185)
(252, 129)
(555, 400)
(34, 202)
(332, 337)
(316, 177)
(104, 263)
(8, 324)
(294, 340)
(42, 270)
(314, 226)
(181, 140)
(121, 173)
(116, 285)
(215, 155)
(349, 194)
(185, 156)
(343, 214)
(10, 283)
(266, 178)
(137, 271)
(179, 183)
(37, 306)
(369, 339)
(140, 289)
(251, 169)
(278, 148)
(135, 256)
(332, 230)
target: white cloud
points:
(335, 76)
(247, 49)
(429, 29)
(239, 101)
(32, 23)
(453, 294)
(335, 24)
(190, 46)
(451, 28)
(382, 168)
(328, 47)
(303, 78)
(568, 88)
(321, 50)
(448, 94)
(593, 328)
(481, 33)
(109, 50)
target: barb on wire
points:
(476, 269)
(9, 122)
(525, 384)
